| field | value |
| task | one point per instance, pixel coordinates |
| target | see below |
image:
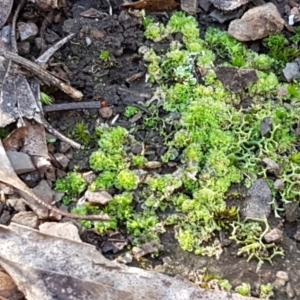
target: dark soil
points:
(122, 35)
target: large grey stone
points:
(20, 161)
(257, 205)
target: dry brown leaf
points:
(46, 267)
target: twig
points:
(72, 106)
(13, 27)
(60, 136)
(45, 76)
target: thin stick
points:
(60, 136)
(45, 76)
(13, 27)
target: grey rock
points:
(291, 211)
(51, 37)
(5, 217)
(27, 30)
(274, 235)
(279, 184)
(62, 159)
(26, 218)
(189, 6)
(235, 79)
(89, 177)
(228, 5)
(257, 23)
(64, 147)
(17, 203)
(64, 230)
(205, 5)
(272, 166)
(222, 18)
(45, 193)
(257, 205)
(23, 48)
(20, 161)
(266, 126)
(291, 71)
(98, 198)
(290, 291)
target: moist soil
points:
(121, 34)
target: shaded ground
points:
(122, 35)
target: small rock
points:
(27, 30)
(23, 48)
(64, 230)
(124, 259)
(136, 117)
(8, 288)
(189, 6)
(38, 42)
(274, 235)
(26, 218)
(296, 13)
(31, 179)
(6, 189)
(278, 284)
(266, 126)
(97, 34)
(235, 79)
(257, 205)
(50, 173)
(220, 17)
(153, 164)
(147, 248)
(5, 216)
(282, 275)
(279, 184)
(136, 148)
(167, 260)
(290, 291)
(51, 37)
(272, 166)
(282, 92)
(89, 177)
(20, 161)
(205, 5)
(57, 196)
(291, 71)
(17, 203)
(257, 23)
(291, 211)
(105, 112)
(64, 147)
(62, 159)
(228, 5)
(98, 198)
(45, 193)
(60, 173)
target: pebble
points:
(64, 230)
(26, 218)
(98, 198)
(282, 275)
(274, 235)
(105, 112)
